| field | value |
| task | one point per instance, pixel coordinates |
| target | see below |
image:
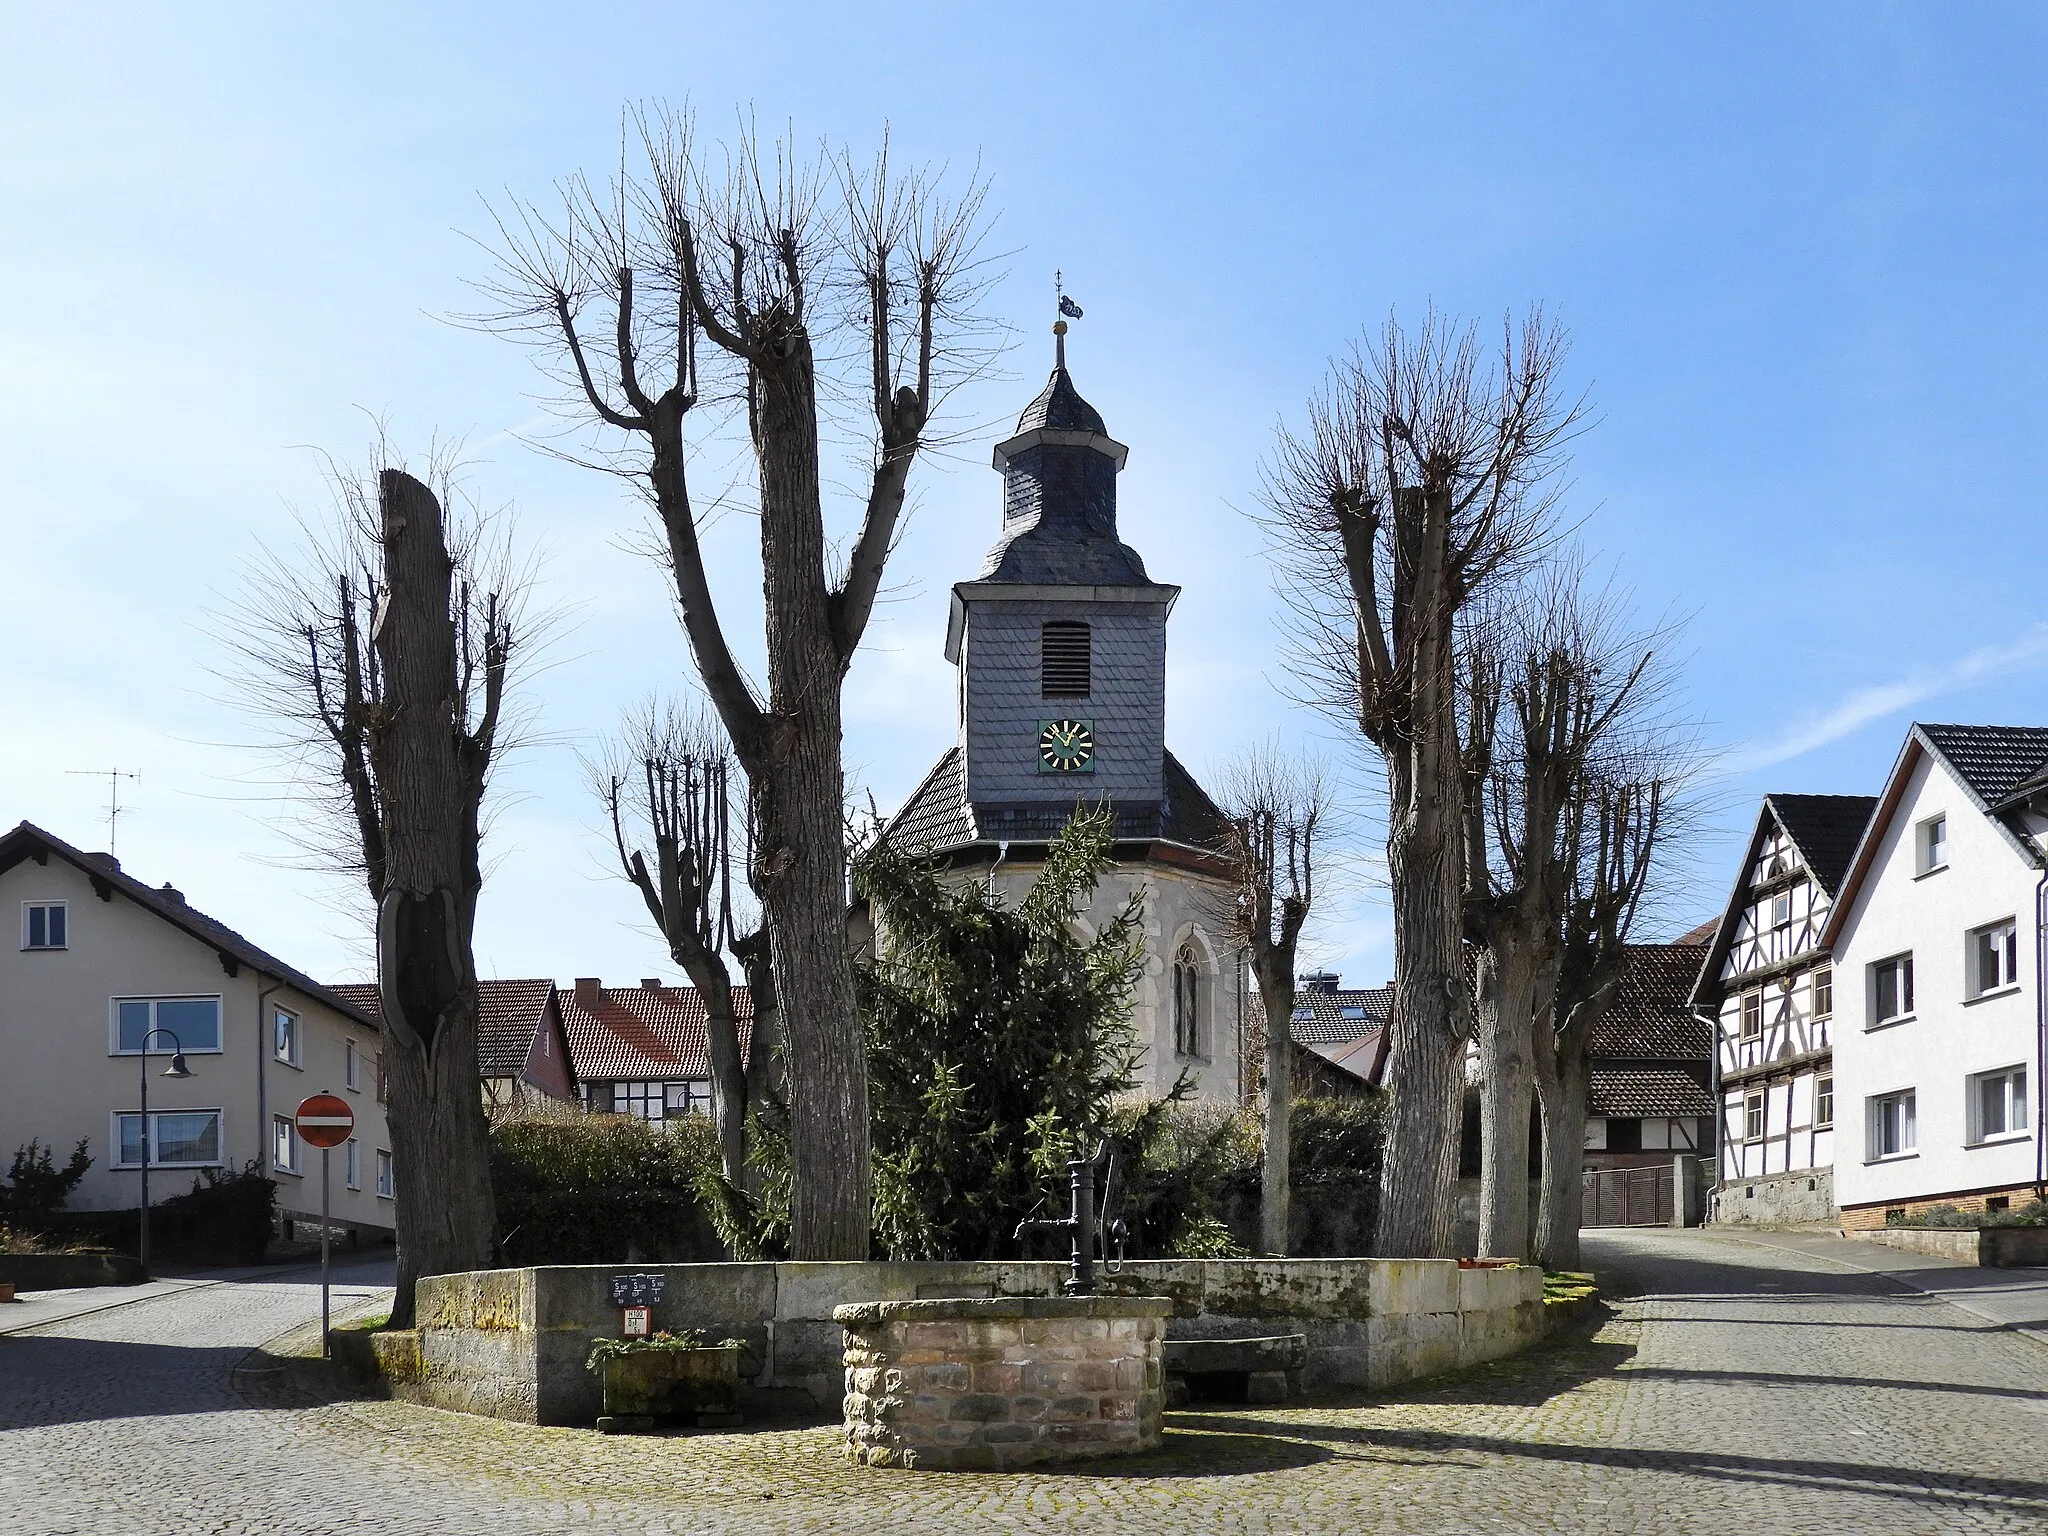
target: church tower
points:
(1061, 640)
(1060, 643)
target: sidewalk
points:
(2016, 1299)
(39, 1309)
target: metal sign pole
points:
(326, 1184)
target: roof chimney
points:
(1320, 981)
(650, 983)
(171, 893)
(105, 861)
(589, 993)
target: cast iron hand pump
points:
(1094, 1226)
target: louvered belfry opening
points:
(1065, 660)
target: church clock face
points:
(1066, 746)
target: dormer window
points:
(1065, 659)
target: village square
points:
(1197, 771)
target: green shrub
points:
(2033, 1214)
(579, 1188)
(36, 1186)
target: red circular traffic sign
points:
(325, 1121)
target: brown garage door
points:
(1627, 1197)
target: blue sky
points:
(1798, 248)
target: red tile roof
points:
(509, 1014)
(645, 1034)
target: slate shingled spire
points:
(1059, 493)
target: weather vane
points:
(1068, 310)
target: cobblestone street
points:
(1743, 1388)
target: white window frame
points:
(1902, 965)
(1756, 1109)
(387, 1180)
(2005, 959)
(2013, 1111)
(44, 907)
(352, 1066)
(352, 1163)
(290, 1050)
(1752, 1006)
(1874, 1150)
(1781, 901)
(1822, 991)
(284, 1145)
(1930, 844)
(120, 1163)
(162, 1047)
(1824, 1103)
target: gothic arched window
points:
(1065, 659)
(1187, 1002)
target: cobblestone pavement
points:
(1740, 1389)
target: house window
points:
(284, 1144)
(1824, 992)
(352, 1163)
(383, 1081)
(1781, 910)
(1994, 957)
(1891, 990)
(284, 1036)
(178, 1138)
(1931, 840)
(1823, 1103)
(1753, 1117)
(1065, 660)
(352, 1067)
(43, 925)
(384, 1185)
(1753, 1015)
(194, 1021)
(1998, 1104)
(1890, 1123)
(1624, 1135)
(691, 1098)
(1187, 1002)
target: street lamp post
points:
(177, 1068)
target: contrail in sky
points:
(1863, 705)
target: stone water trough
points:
(984, 1384)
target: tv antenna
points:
(113, 776)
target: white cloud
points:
(1863, 705)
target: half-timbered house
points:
(1769, 982)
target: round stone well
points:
(983, 1384)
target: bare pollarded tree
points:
(1424, 477)
(382, 655)
(1277, 810)
(666, 785)
(781, 282)
(1558, 687)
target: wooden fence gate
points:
(1627, 1197)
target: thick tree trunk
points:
(1506, 1009)
(1562, 1093)
(1425, 1073)
(800, 804)
(426, 917)
(1425, 868)
(1275, 1167)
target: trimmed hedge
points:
(580, 1188)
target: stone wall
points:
(981, 1385)
(1867, 1216)
(1804, 1197)
(1992, 1247)
(511, 1343)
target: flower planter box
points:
(649, 1386)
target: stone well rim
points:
(989, 1309)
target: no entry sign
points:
(325, 1121)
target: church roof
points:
(937, 817)
(1060, 408)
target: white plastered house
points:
(1937, 937)
(95, 966)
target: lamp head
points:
(177, 1068)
